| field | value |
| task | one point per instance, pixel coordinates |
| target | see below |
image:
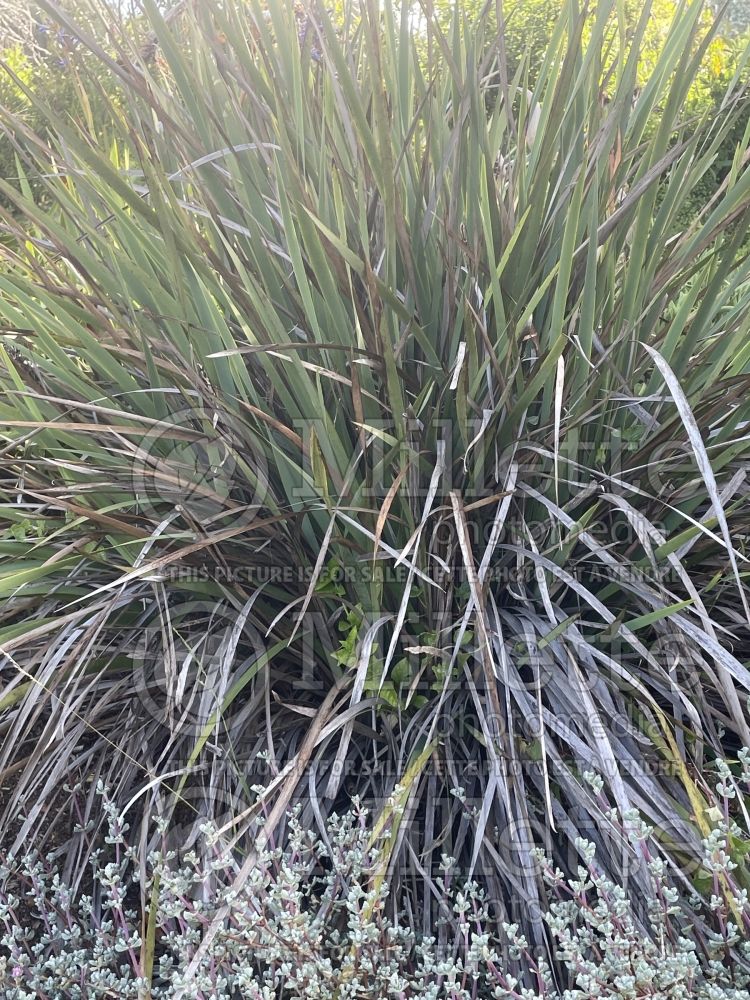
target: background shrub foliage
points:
(374, 423)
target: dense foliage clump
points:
(373, 424)
(311, 920)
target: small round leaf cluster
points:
(315, 919)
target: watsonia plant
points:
(370, 421)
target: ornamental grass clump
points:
(372, 425)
